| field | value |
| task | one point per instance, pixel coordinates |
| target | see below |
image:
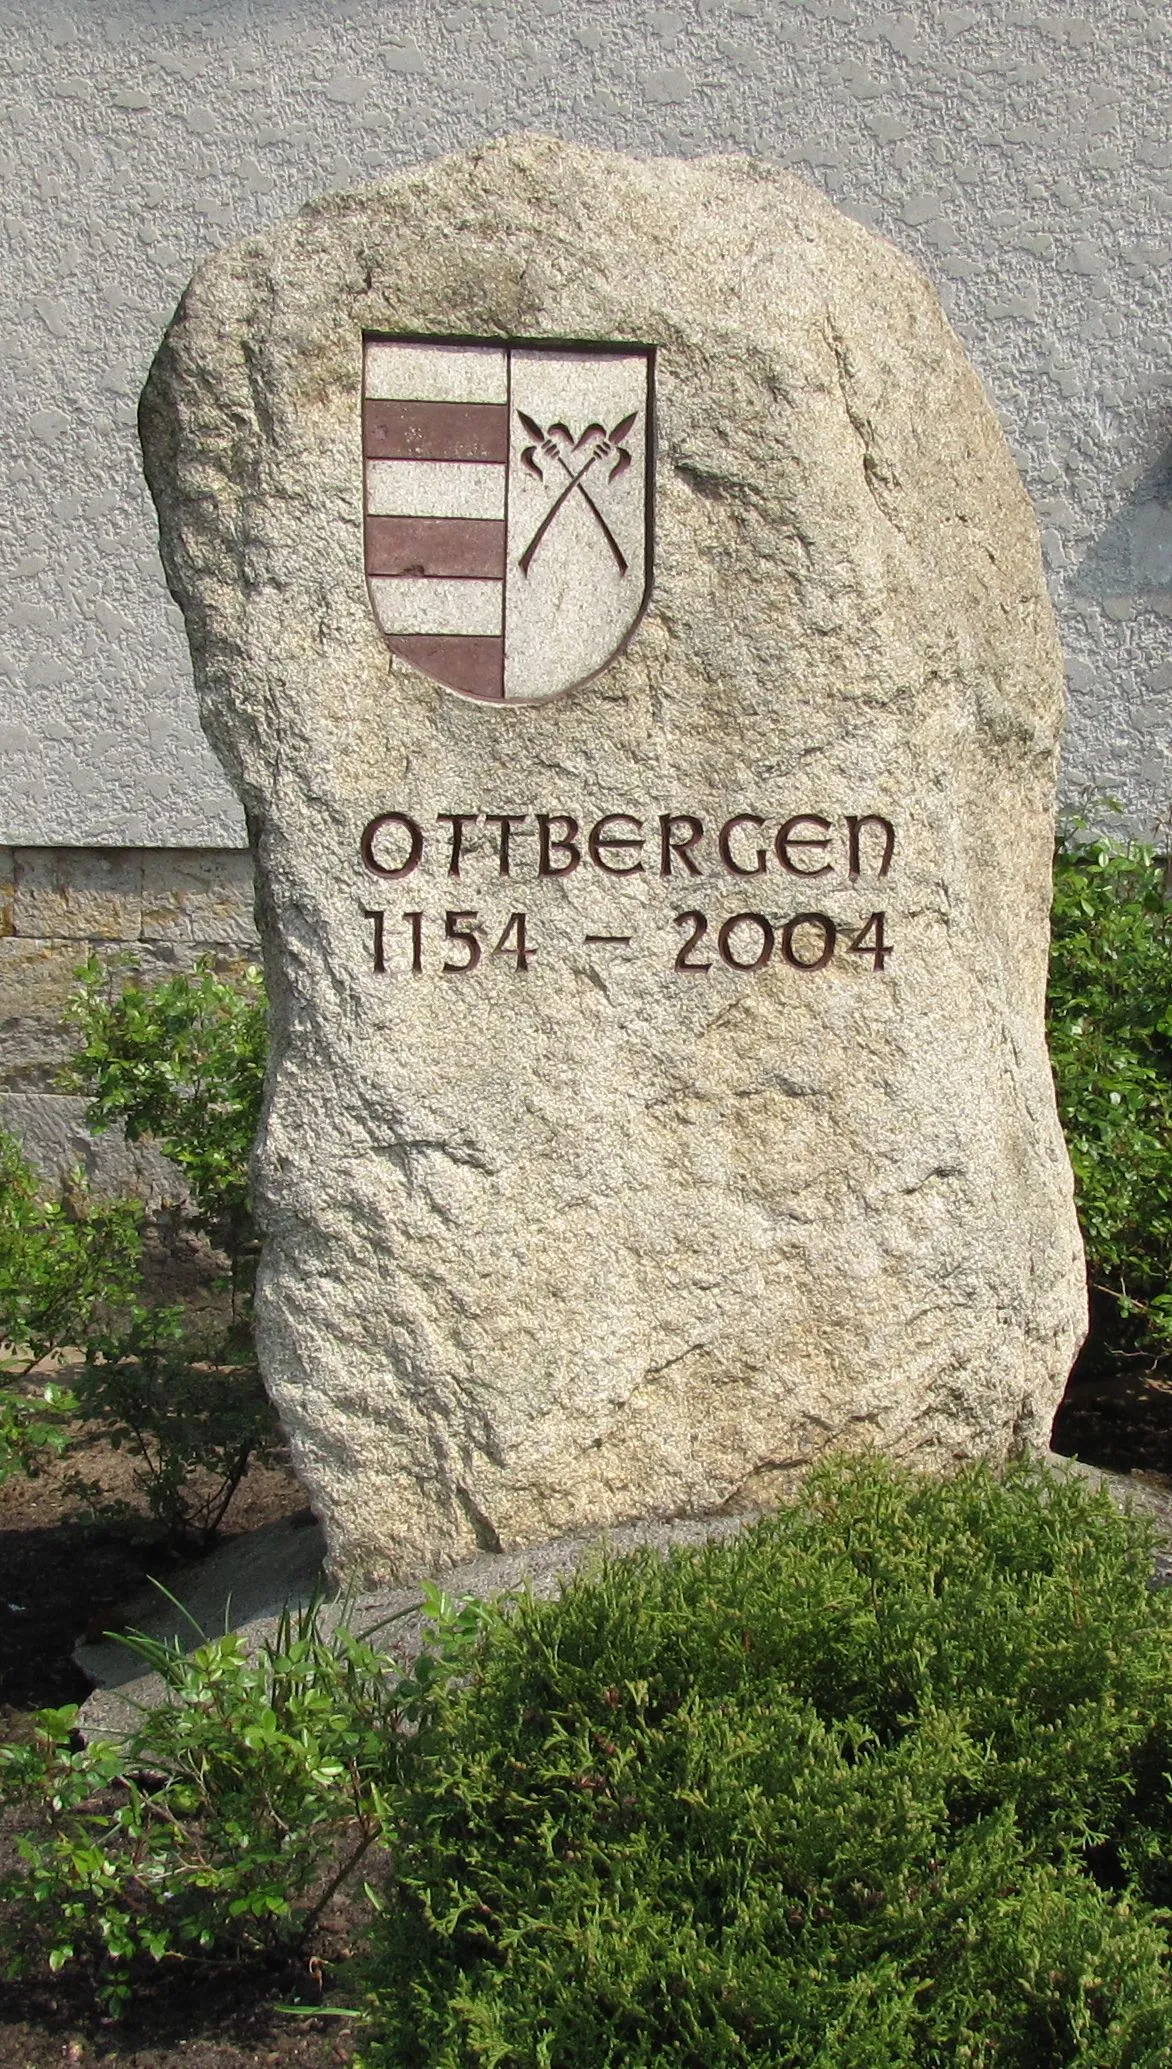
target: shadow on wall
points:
(1133, 556)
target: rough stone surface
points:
(52, 1131)
(607, 1239)
(78, 895)
(36, 976)
(7, 892)
(199, 897)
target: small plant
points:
(33, 1426)
(880, 1783)
(186, 1402)
(182, 1063)
(235, 1812)
(190, 1408)
(1110, 1033)
(66, 1265)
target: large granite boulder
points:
(659, 1092)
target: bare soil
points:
(188, 2020)
(1121, 1421)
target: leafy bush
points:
(181, 1062)
(33, 1426)
(65, 1265)
(233, 1814)
(189, 1405)
(1110, 1027)
(880, 1783)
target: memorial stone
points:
(614, 601)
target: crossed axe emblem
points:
(558, 448)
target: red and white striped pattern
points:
(435, 437)
(507, 536)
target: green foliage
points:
(1110, 1030)
(189, 1406)
(183, 1063)
(33, 1426)
(186, 1401)
(65, 1266)
(235, 1811)
(880, 1783)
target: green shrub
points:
(66, 1265)
(881, 1783)
(185, 1400)
(188, 1404)
(1110, 1030)
(181, 1063)
(232, 1815)
(33, 1426)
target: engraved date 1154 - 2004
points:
(544, 845)
(409, 943)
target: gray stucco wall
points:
(1020, 155)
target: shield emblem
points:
(508, 509)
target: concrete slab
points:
(248, 1583)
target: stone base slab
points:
(250, 1582)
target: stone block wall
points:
(166, 907)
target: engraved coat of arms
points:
(508, 509)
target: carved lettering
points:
(826, 928)
(854, 830)
(506, 822)
(615, 844)
(514, 941)
(373, 832)
(725, 941)
(807, 844)
(871, 940)
(692, 831)
(458, 928)
(415, 922)
(787, 838)
(380, 939)
(457, 821)
(601, 843)
(724, 845)
(698, 923)
(566, 844)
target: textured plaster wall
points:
(1020, 154)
